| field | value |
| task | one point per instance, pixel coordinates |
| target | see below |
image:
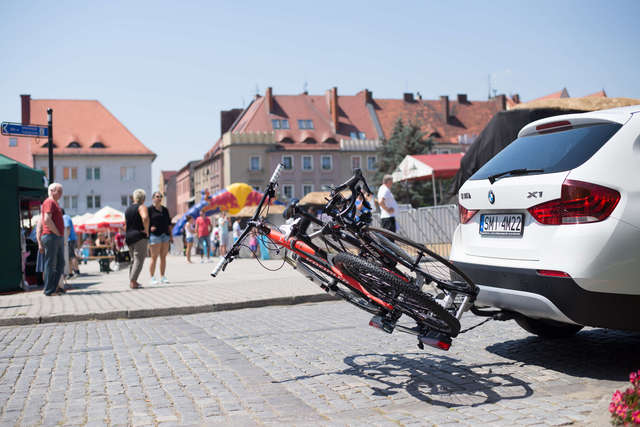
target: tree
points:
(405, 139)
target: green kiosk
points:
(19, 184)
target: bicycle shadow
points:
(435, 379)
(593, 353)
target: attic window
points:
(98, 144)
(287, 140)
(46, 145)
(330, 141)
(305, 124)
(434, 135)
(73, 144)
(309, 141)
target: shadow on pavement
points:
(593, 353)
(436, 379)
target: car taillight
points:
(580, 203)
(465, 214)
(554, 127)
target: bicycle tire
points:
(345, 291)
(405, 296)
(432, 264)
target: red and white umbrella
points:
(105, 218)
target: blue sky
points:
(166, 69)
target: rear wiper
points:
(523, 171)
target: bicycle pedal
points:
(436, 340)
(382, 324)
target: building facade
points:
(167, 186)
(97, 159)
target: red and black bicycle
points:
(376, 270)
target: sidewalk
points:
(96, 295)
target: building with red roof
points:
(97, 159)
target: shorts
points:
(72, 248)
(190, 239)
(163, 238)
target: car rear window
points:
(552, 152)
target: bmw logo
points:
(492, 197)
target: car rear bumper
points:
(562, 299)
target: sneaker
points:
(164, 279)
(201, 260)
(154, 281)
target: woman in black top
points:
(159, 238)
(137, 235)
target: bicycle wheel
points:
(342, 290)
(403, 295)
(418, 258)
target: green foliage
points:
(404, 140)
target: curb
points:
(168, 311)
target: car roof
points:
(618, 115)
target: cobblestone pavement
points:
(96, 295)
(312, 364)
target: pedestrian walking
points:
(203, 228)
(189, 234)
(137, 235)
(52, 240)
(235, 228)
(223, 225)
(388, 205)
(160, 237)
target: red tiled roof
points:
(85, 122)
(21, 152)
(564, 93)
(353, 116)
(599, 94)
(465, 118)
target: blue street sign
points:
(17, 129)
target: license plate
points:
(501, 224)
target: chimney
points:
(269, 100)
(462, 98)
(419, 96)
(444, 100)
(26, 109)
(333, 107)
(408, 97)
(368, 96)
(516, 98)
(502, 102)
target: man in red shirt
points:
(203, 228)
(52, 240)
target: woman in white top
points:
(189, 233)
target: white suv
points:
(550, 227)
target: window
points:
(353, 135)
(127, 173)
(69, 173)
(309, 140)
(93, 202)
(124, 200)
(355, 162)
(98, 144)
(280, 124)
(287, 161)
(307, 163)
(357, 135)
(362, 135)
(74, 202)
(275, 123)
(372, 163)
(284, 124)
(254, 164)
(13, 142)
(93, 173)
(306, 189)
(287, 191)
(66, 202)
(73, 144)
(305, 124)
(327, 163)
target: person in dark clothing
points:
(159, 238)
(137, 235)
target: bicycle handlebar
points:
(351, 184)
(221, 265)
(276, 173)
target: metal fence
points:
(433, 226)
